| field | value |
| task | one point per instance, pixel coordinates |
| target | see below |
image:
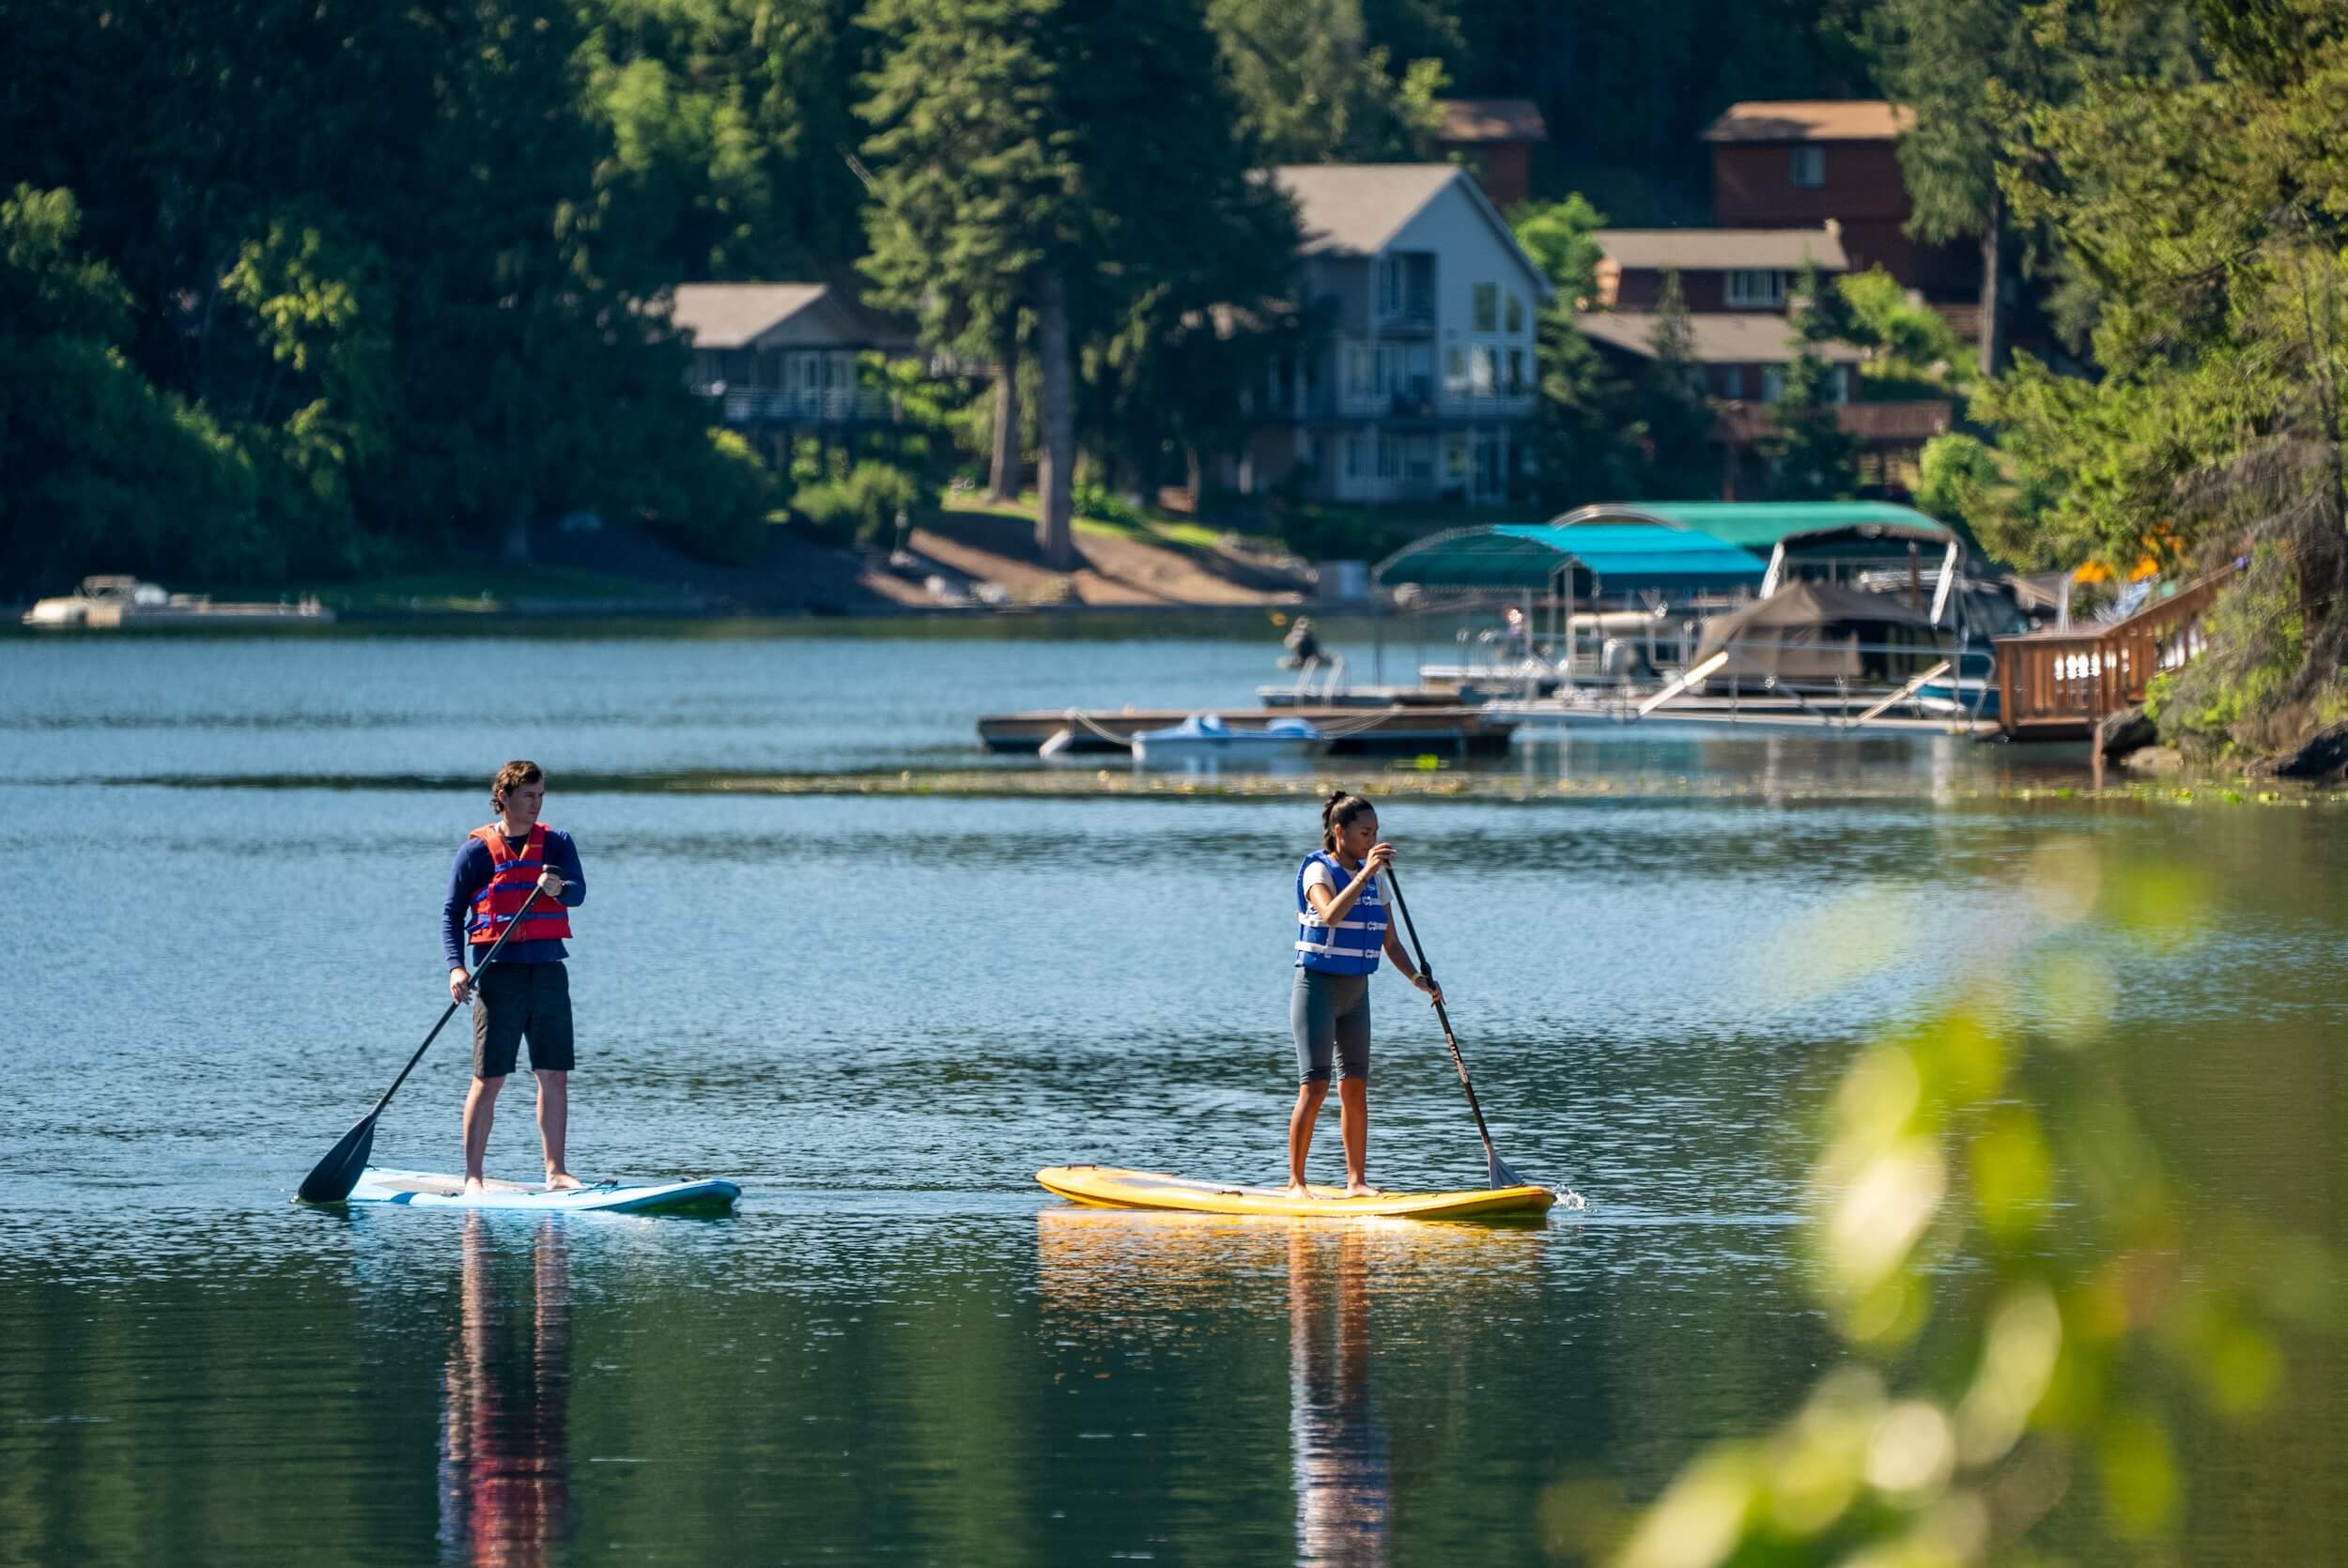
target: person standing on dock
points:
(1341, 928)
(527, 992)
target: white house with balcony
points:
(1422, 387)
(780, 360)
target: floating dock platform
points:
(1397, 730)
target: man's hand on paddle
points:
(551, 885)
(459, 986)
(1427, 983)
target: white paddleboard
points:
(426, 1190)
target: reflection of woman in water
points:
(504, 1459)
(1344, 1490)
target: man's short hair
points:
(512, 774)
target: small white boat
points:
(1205, 738)
(110, 601)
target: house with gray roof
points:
(781, 359)
(1422, 387)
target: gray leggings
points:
(1330, 1014)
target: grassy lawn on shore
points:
(1156, 525)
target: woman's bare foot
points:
(1363, 1190)
(563, 1181)
(474, 1186)
(1302, 1193)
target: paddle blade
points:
(331, 1178)
(1501, 1174)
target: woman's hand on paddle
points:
(551, 884)
(1380, 857)
(459, 986)
(1427, 983)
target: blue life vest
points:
(1353, 944)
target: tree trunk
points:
(1003, 478)
(517, 547)
(1055, 472)
(1992, 326)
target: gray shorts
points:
(1330, 1014)
(513, 1000)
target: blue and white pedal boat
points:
(1207, 738)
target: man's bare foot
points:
(474, 1186)
(1302, 1193)
(563, 1181)
(1363, 1190)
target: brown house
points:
(1796, 164)
(1495, 138)
(1719, 270)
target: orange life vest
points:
(509, 885)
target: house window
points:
(1488, 307)
(1728, 380)
(1390, 286)
(1357, 456)
(1455, 370)
(1455, 459)
(1361, 371)
(1422, 458)
(1515, 371)
(1389, 459)
(1809, 167)
(1484, 368)
(1515, 315)
(1753, 286)
(1772, 383)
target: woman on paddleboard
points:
(1341, 928)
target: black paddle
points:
(331, 1178)
(1497, 1168)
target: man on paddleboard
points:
(527, 993)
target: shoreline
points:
(1400, 779)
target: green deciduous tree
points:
(1561, 236)
(94, 462)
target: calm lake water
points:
(221, 862)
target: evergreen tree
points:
(1314, 88)
(1014, 180)
(1811, 457)
(1674, 413)
(1587, 441)
(975, 217)
(1969, 69)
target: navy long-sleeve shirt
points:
(472, 874)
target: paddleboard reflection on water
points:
(1132, 1277)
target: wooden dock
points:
(1399, 730)
(2057, 685)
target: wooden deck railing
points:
(2057, 684)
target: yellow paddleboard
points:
(1106, 1187)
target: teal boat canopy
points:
(1762, 526)
(1605, 557)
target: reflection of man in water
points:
(505, 1460)
(1344, 1493)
